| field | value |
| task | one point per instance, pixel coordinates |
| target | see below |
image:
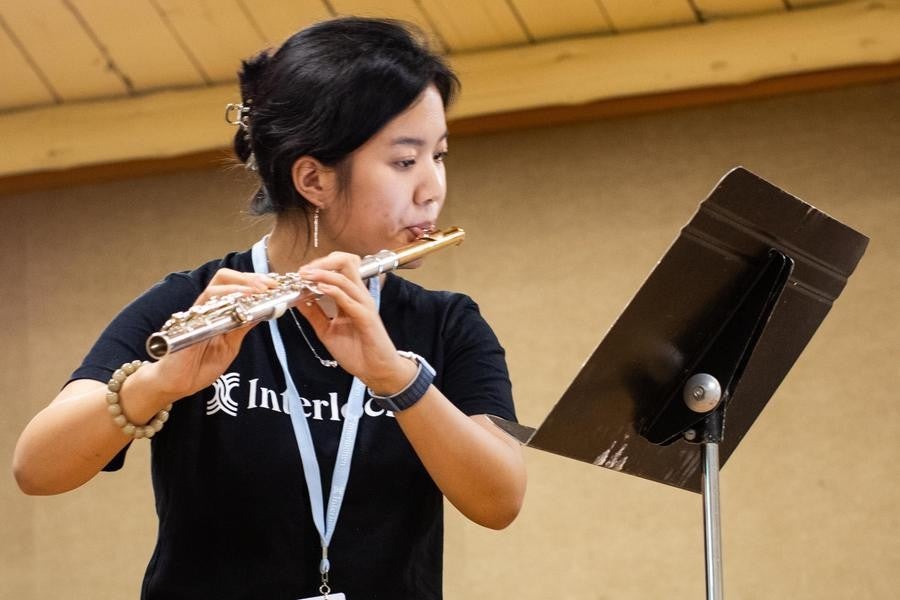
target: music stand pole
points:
(711, 521)
(702, 394)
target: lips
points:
(421, 229)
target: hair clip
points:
(238, 114)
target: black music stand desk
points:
(689, 365)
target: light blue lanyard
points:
(325, 523)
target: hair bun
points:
(249, 78)
(251, 74)
(241, 145)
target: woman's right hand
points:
(70, 440)
(187, 371)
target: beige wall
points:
(564, 224)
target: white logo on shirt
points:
(221, 400)
(259, 396)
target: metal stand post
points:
(703, 394)
(712, 522)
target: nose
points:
(432, 186)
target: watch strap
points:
(414, 390)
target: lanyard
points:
(325, 521)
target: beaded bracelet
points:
(115, 409)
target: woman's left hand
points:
(355, 337)
(475, 465)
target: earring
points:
(316, 228)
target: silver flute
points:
(221, 314)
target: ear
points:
(313, 180)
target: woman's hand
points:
(355, 337)
(476, 466)
(69, 441)
(187, 371)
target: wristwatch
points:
(413, 392)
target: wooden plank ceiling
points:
(87, 83)
(60, 51)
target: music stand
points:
(686, 369)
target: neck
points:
(290, 246)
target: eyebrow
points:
(413, 141)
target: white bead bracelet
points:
(115, 409)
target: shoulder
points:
(200, 276)
(124, 337)
(410, 296)
(179, 287)
(420, 316)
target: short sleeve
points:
(124, 338)
(475, 377)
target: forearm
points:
(476, 466)
(73, 438)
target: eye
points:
(440, 156)
(406, 163)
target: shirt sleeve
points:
(475, 376)
(124, 338)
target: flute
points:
(221, 314)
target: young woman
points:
(308, 456)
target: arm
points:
(476, 466)
(74, 437)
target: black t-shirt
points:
(234, 513)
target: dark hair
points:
(325, 92)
